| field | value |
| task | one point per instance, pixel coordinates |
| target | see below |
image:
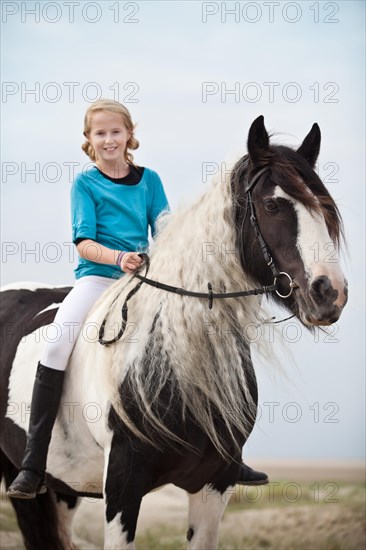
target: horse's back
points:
(25, 307)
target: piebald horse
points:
(173, 399)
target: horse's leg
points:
(37, 518)
(66, 506)
(205, 512)
(125, 484)
(207, 507)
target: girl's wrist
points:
(119, 258)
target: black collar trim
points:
(133, 178)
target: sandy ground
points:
(168, 507)
(308, 470)
(170, 504)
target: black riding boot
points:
(248, 476)
(46, 398)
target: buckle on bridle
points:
(292, 284)
(210, 295)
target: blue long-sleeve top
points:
(115, 213)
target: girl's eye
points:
(270, 205)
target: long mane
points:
(201, 354)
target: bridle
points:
(248, 186)
(210, 295)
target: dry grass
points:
(287, 516)
(281, 516)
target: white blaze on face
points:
(315, 246)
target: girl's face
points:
(108, 136)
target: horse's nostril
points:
(334, 319)
(322, 292)
(320, 287)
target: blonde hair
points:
(113, 107)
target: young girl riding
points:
(113, 204)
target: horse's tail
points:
(37, 518)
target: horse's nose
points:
(322, 291)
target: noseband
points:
(210, 295)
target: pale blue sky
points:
(162, 62)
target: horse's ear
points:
(309, 149)
(258, 141)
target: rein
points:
(210, 295)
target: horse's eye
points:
(270, 205)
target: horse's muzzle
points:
(325, 302)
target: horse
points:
(171, 395)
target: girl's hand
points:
(130, 262)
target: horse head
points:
(284, 213)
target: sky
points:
(194, 76)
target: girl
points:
(112, 205)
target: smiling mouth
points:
(110, 148)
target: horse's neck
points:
(204, 351)
(198, 244)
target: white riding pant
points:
(70, 318)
